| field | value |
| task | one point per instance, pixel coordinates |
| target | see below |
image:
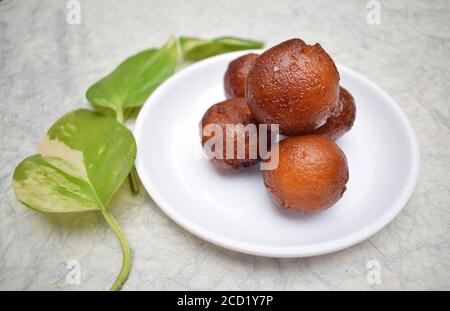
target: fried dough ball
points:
(233, 112)
(295, 85)
(342, 121)
(236, 75)
(311, 175)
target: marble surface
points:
(46, 65)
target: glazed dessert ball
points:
(342, 121)
(232, 111)
(311, 174)
(236, 75)
(295, 85)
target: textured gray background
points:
(46, 65)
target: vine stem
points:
(119, 116)
(126, 253)
(132, 176)
(133, 180)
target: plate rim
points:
(277, 252)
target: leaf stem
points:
(119, 116)
(133, 180)
(126, 254)
(132, 176)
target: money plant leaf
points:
(81, 162)
(195, 49)
(132, 82)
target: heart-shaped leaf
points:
(195, 49)
(132, 82)
(82, 161)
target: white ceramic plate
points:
(232, 209)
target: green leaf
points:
(132, 82)
(195, 49)
(81, 163)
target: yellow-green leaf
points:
(80, 164)
(195, 49)
(132, 82)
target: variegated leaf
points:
(80, 164)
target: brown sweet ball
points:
(233, 112)
(236, 75)
(311, 175)
(295, 85)
(342, 121)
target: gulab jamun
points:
(295, 85)
(342, 121)
(239, 146)
(311, 175)
(236, 75)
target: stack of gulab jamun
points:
(294, 86)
